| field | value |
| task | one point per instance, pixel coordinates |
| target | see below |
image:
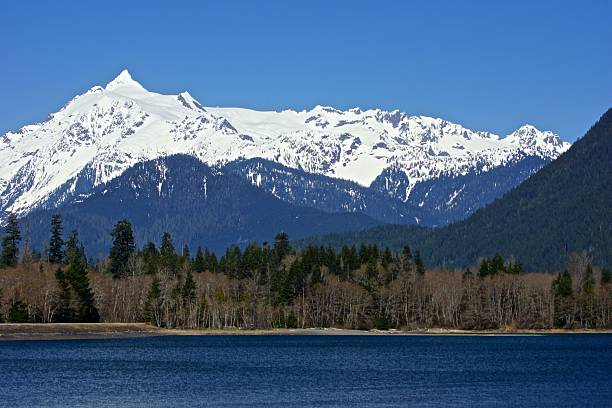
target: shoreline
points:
(97, 331)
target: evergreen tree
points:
(153, 304)
(371, 271)
(496, 264)
(76, 275)
(198, 261)
(588, 281)
(18, 312)
(56, 243)
(282, 248)
(562, 285)
(485, 268)
(251, 260)
(122, 248)
(364, 254)
(386, 259)
(210, 260)
(65, 312)
(75, 248)
(150, 257)
(407, 253)
(10, 242)
(189, 288)
(563, 294)
(167, 253)
(418, 263)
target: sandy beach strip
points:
(66, 331)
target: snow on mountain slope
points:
(107, 130)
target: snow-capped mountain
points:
(103, 132)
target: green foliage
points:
(18, 312)
(76, 275)
(418, 263)
(153, 304)
(10, 242)
(189, 288)
(282, 248)
(122, 248)
(588, 281)
(199, 264)
(167, 254)
(56, 243)
(562, 285)
(65, 312)
(150, 258)
(386, 259)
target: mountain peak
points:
(124, 79)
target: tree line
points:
(275, 285)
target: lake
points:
(285, 371)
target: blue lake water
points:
(284, 371)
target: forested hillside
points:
(565, 207)
(198, 205)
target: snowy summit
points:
(106, 130)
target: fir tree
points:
(588, 281)
(386, 258)
(562, 285)
(64, 313)
(282, 248)
(198, 261)
(18, 312)
(167, 254)
(122, 248)
(150, 257)
(10, 242)
(189, 288)
(75, 248)
(485, 268)
(56, 243)
(210, 260)
(563, 294)
(76, 275)
(496, 265)
(371, 271)
(153, 304)
(418, 263)
(407, 253)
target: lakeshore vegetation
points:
(273, 285)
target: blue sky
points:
(487, 65)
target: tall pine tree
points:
(167, 254)
(56, 243)
(76, 275)
(198, 262)
(10, 242)
(123, 247)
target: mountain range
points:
(565, 207)
(386, 167)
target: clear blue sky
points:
(490, 65)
